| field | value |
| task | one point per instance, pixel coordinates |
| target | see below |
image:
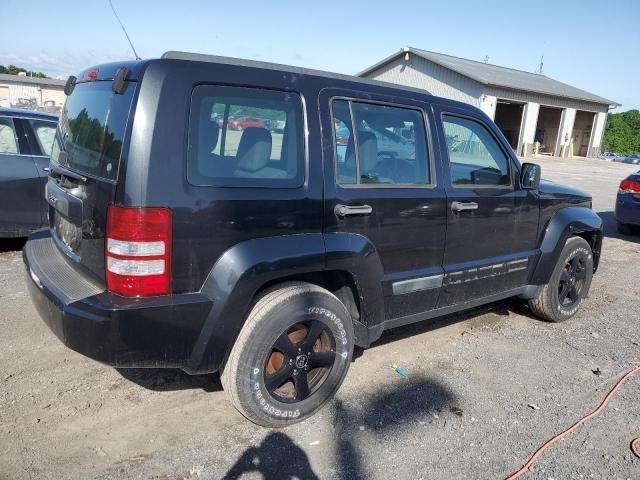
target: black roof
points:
(200, 57)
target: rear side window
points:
(8, 138)
(245, 137)
(475, 158)
(92, 127)
(379, 144)
(45, 133)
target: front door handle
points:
(462, 206)
(46, 169)
(344, 210)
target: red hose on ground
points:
(635, 444)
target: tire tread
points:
(269, 300)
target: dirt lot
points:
(465, 410)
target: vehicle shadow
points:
(277, 457)
(500, 308)
(611, 228)
(171, 379)
(12, 244)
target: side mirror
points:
(530, 176)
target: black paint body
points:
(230, 243)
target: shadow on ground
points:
(277, 457)
(169, 379)
(611, 228)
(11, 244)
(499, 309)
(385, 414)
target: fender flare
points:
(563, 224)
(246, 267)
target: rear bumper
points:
(628, 209)
(118, 331)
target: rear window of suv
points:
(92, 127)
(245, 137)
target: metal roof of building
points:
(495, 75)
(51, 82)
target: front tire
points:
(291, 355)
(561, 298)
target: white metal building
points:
(527, 107)
(33, 93)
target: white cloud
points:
(59, 64)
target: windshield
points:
(91, 129)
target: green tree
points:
(13, 70)
(622, 133)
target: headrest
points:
(212, 135)
(367, 151)
(254, 150)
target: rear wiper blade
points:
(59, 170)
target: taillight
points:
(629, 186)
(138, 250)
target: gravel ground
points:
(485, 389)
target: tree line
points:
(622, 133)
(13, 70)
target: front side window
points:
(475, 158)
(379, 144)
(8, 138)
(245, 137)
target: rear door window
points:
(92, 128)
(245, 137)
(8, 137)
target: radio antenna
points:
(124, 30)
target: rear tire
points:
(624, 228)
(561, 298)
(291, 355)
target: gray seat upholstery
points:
(254, 153)
(209, 163)
(368, 153)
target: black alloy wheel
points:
(299, 361)
(572, 280)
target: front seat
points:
(209, 163)
(254, 153)
(368, 154)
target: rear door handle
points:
(46, 169)
(344, 210)
(462, 206)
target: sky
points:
(593, 45)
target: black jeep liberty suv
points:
(214, 214)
